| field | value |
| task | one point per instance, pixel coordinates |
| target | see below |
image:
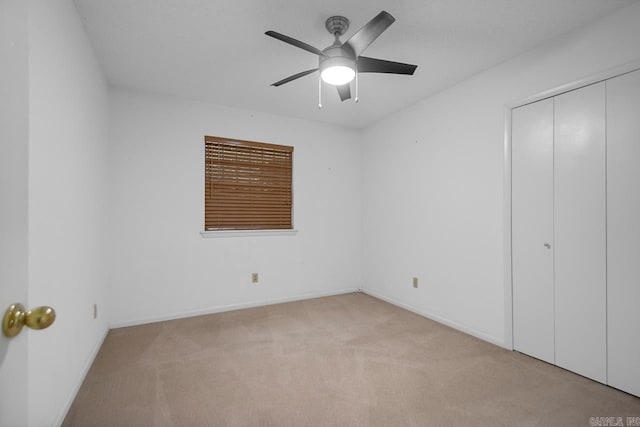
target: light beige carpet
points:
(348, 360)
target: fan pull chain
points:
(319, 92)
(356, 100)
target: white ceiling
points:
(216, 50)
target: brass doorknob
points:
(16, 317)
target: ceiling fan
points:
(340, 62)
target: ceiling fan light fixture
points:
(337, 70)
(338, 75)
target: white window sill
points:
(209, 234)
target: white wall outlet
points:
(254, 277)
(95, 311)
(415, 282)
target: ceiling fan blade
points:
(295, 76)
(373, 65)
(367, 34)
(294, 42)
(344, 91)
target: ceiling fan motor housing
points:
(337, 61)
(337, 55)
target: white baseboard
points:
(230, 307)
(81, 377)
(467, 330)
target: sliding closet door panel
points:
(623, 227)
(532, 229)
(580, 231)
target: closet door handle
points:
(547, 245)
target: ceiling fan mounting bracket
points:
(337, 25)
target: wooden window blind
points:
(247, 185)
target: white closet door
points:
(532, 229)
(623, 226)
(580, 232)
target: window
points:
(247, 185)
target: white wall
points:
(163, 268)
(67, 200)
(433, 179)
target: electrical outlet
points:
(415, 282)
(95, 311)
(254, 277)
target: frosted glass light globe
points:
(337, 75)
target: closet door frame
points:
(507, 167)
